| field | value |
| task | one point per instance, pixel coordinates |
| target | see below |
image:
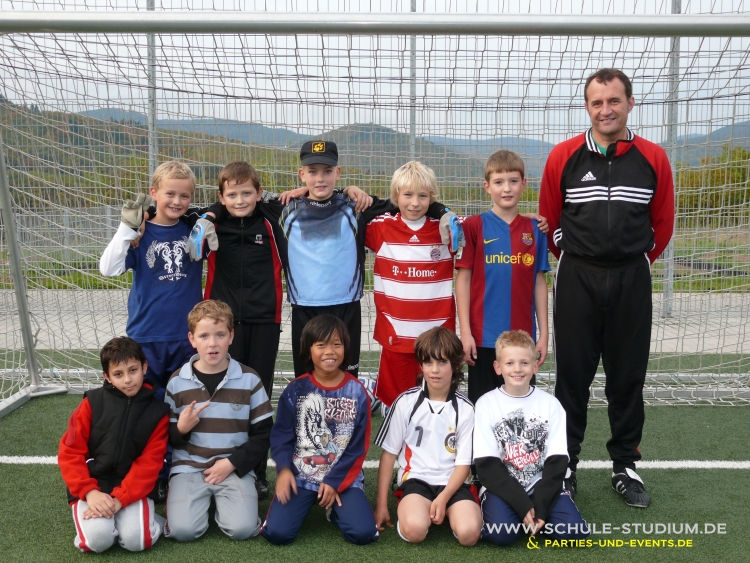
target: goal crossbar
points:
(317, 23)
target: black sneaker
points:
(261, 485)
(570, 483)
(630, 486)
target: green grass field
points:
(35, 521)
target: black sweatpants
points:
(256, 346)
(603, 311)
(350, 313)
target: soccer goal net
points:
(85, 117)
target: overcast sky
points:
(478, 87)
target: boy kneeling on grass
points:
(112, 453)
(220, 424)
(320, 440)
(521, 453)
(429, 428)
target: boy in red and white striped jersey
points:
(413, 278)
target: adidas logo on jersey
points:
(589, 177)
(414, 239)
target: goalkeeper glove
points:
(451, 231)
(132, 211)
(203, 232)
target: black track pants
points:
(350, 313)
(603, 311)
(256, 345)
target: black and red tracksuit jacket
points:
(608, 208)
(245, 272)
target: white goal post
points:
(92, 98)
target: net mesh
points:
(73, 115)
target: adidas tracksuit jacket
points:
(610, 216)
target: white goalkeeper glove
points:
(132, 211)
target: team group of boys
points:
(210, 416)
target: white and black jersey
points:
(521, 431)
(430, 438)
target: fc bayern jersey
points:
(521, 431)
(428, 437)
(412, 278)
(322, 433)
(505, 260)
(166, 284)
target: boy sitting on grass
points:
(430, 429)
(320, 440)
(112, 452)
(521, 453)
(220, 424)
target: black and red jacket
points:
(114, 444)
(245, 272)
(608, 208)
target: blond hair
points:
(503, 161)
(414, 175)
(210, 309)
(172, 169)
(514, 339)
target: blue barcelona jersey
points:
(505, 260)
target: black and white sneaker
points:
(630, 486)
(570, 483)
(261, 485)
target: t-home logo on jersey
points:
(502, 258)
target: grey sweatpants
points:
(136, 527)
(190, 496)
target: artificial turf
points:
(35, 521)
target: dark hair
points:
(119, 350)
(323, 328)
(240, 172)
(604, 75)
(440, 343)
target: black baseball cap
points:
(319, 152)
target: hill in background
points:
(376, 149)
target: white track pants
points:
(136, 527)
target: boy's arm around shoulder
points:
(259, 425)
(73, 452)
(112, 262)
(144, 471)
(349, 465)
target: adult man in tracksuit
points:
(609, 198)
